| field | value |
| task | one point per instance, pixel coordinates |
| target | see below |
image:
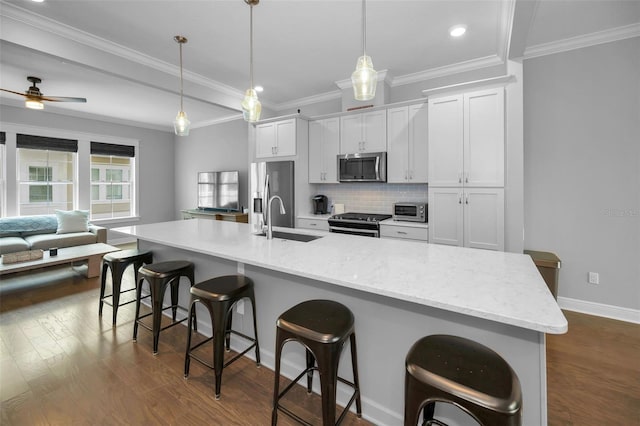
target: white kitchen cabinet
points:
(404, 230)
(309, 223)
(466, 139)
(324, 146)
(364, 132)
(468, 217)
(276, 139)
(407, 144)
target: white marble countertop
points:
(498, 286)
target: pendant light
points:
(251, 107)
(181, 123)
(364, 78)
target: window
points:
(40, 193)
(46, 174)
(112, 177)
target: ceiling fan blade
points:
(11, 91)
(62, 99)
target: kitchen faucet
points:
(269, 230)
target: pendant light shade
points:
(181, 124)
(364, 79)
(251, 107)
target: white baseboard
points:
(600, 309)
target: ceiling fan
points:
(35, 97)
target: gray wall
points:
(582, 168)
(214, 148)
(155, 156)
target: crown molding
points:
(309, 100)
(474, 64)
(51, 26)
(592, 39)
(505, 27)
(215, 121)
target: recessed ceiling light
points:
(38, 1)
(457, 30)
(258, 89)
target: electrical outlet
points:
(594, 278)
(240, 307)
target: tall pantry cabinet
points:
(466, 169)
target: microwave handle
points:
(377, 168)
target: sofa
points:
(63, 229)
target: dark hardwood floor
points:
(60, 364)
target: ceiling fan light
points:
(33, 104)
(181, 124)
(251, 107)
(364, 79)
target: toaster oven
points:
(411, 212)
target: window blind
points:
(44, 142)
(101, 148)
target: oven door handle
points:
(364, 231)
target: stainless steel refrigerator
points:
(280, 182)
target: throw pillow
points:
(72, 221)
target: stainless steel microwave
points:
(411, 212)
(363, 167)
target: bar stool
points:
(464, 373)
(219, 295)
(159, 275)
(322, 327)
(117, 262)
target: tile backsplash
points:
(370, 197)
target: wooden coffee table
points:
(91, 253)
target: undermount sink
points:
(305, 238)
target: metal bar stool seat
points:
(219, 295)
(118, 262)
(159, 275)
(451, 369)
(322, 327)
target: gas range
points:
(365, 224)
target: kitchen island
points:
(399, 291)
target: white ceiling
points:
(121, 55)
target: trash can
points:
(549, 266)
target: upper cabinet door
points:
(324, 145)
(286, 137)
(265, 140)
(398, 145)
(484, 138)
(350, 134)
(374, 126)
(418, 159)
(446, 135)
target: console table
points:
(208, 214)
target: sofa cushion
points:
(72, 221)
(28, 225)
(46, 241)
(12, 245)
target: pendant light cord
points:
(251, 46)
(364, 28)
(181, 107)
